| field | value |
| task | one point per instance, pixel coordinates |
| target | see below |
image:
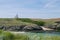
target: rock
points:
(11, 28)
(2, 28)
(37, 28)
(28, 28)
(16, 28)
(33, 28)
(22, 28)
(58, 28)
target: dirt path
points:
(46, 29)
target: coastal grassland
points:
(26, 36)
(25, 21)
(9, 36)
(12, 22)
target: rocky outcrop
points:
(12, 28)
(22, 28)
(16, 28)
(58, 28)
(33, 28)
(2, 27)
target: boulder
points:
(58, 28)
(16, 28)
(2, 28)
(32, 28)
(28, 28)
(11, 28)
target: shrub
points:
(21, 37)
(40, 23)
(8, 36)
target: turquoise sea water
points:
(43, 36)
(38, 34)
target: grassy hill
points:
(52, 20)
(26, 21)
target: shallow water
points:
(38, 34)
(43, 36)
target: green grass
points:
(24, 21)
(20, 21)
(10, 36)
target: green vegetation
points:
(40, 23)
(19, 21)
(7, 36)
(26, 21)
(10, 36)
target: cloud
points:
(50, 3)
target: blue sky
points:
(30, 8)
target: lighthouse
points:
(16, 17)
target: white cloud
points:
(50, 3)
